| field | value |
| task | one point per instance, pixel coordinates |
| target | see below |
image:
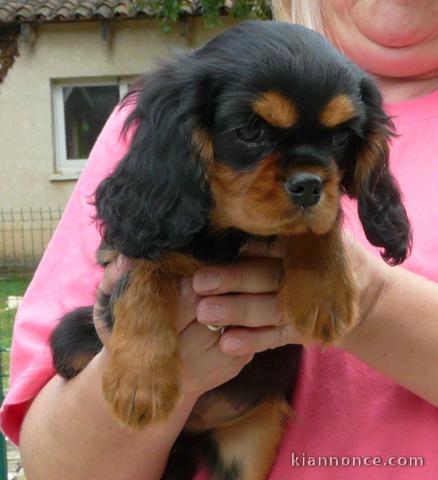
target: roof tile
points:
(17, 11)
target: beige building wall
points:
(67, 51)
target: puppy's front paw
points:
(144, 396)
(321, 306)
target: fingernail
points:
(210, 312)
(206, 281)
(232, 345)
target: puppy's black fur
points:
(158, 199)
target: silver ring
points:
(216, 328)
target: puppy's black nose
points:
(304, 189)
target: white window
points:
(81, 108)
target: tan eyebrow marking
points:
(276, 109)
(338, 110)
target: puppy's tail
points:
(74, 342)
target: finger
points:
(243, 341)
(187, 304)
(211, 368)
(262, 248)
(247, 275)
(113, 273)
(214, 357)
(197, 337)
(199, 347)
(246, 310)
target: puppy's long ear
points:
(155, 201)
(380, 206)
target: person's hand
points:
(243, 296)
(204, 365)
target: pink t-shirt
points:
(343, 408)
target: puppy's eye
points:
(253, 133)
(339, 139)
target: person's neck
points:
(396, 90)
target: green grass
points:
(15, 285)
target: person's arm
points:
(69, 432)
(397, 334)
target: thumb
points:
(113, 272)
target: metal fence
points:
(24, 235)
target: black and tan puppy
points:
(256, 134)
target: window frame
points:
(62, 164)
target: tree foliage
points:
(211, 10)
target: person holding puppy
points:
(376, 394)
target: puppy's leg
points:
(141, 381)
(319, 294)
(247, 447)
(74, 342)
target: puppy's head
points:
(259, 130)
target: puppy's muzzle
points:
(304, 189)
